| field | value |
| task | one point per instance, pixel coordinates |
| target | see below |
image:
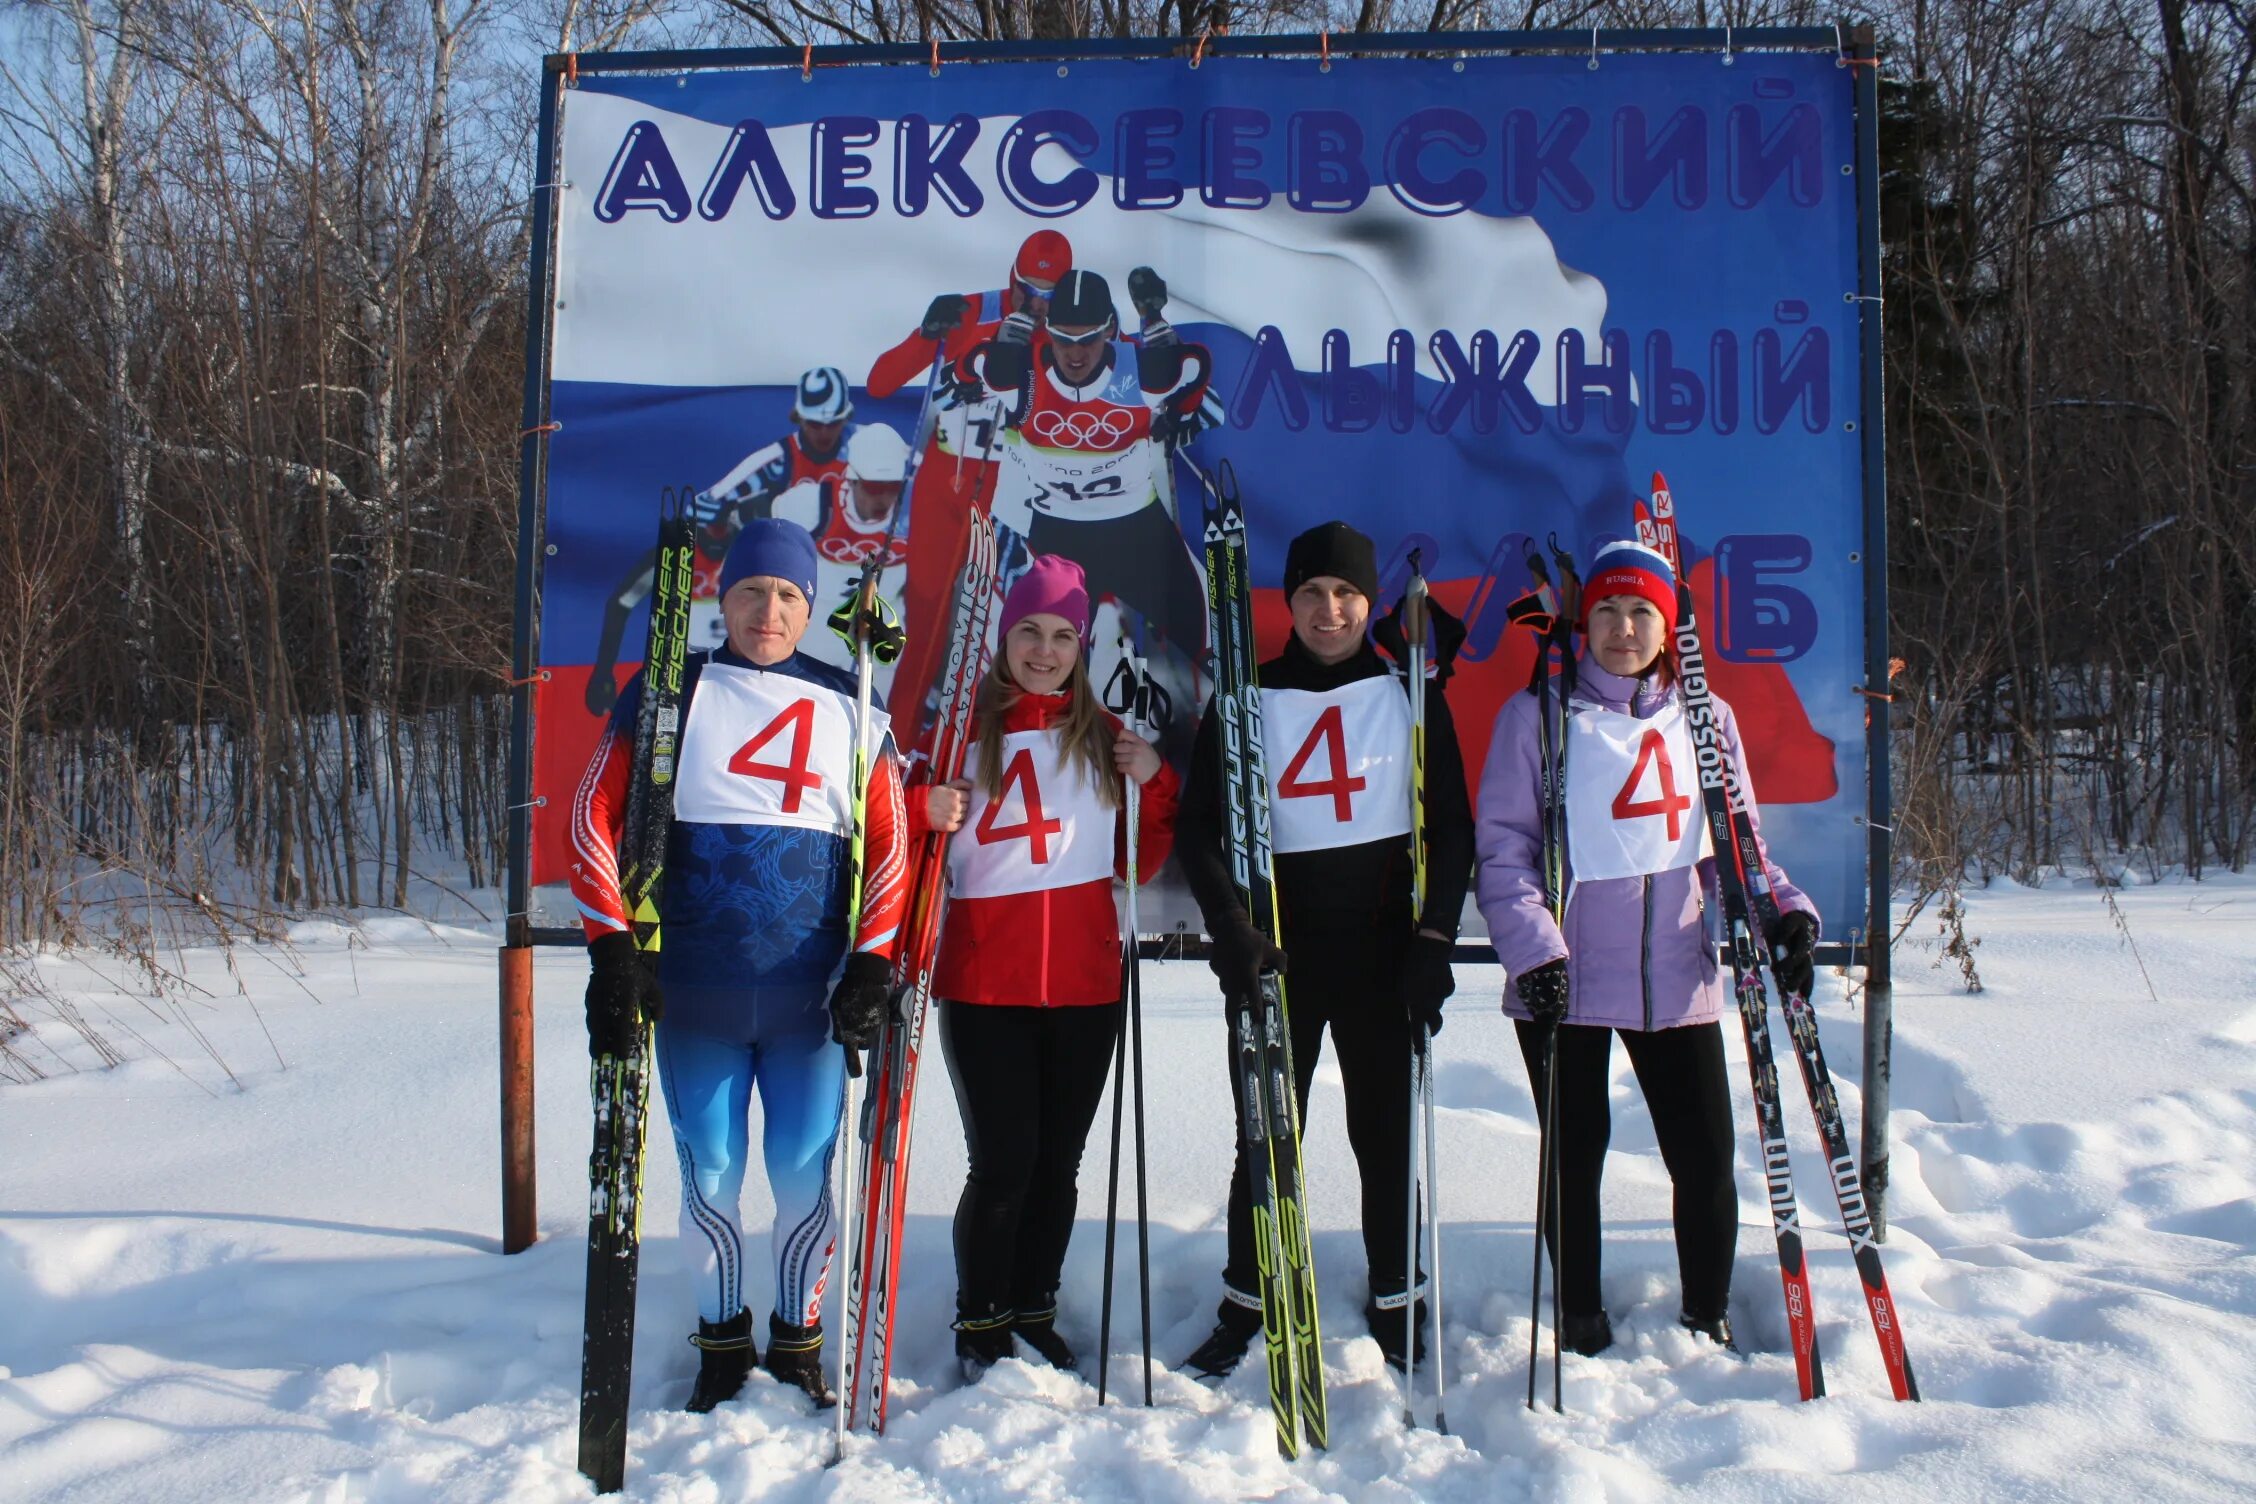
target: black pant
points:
(1028, 1081)
(1681, 1073)
(1348, 979)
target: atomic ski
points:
(1739, 870)
(1271, 1127)
(621, 1086)
(871, 1276)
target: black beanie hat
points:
(1335, 549)
(1081, 300)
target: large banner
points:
(1468, 306)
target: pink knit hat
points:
(1056, 586)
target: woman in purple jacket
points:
(1633, 954)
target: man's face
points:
(766, 617)
(1031, 295)
(820, 439)
(874, 500)
(1328, 617)
(1078, 349)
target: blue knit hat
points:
(772, 546)
(1627, 568)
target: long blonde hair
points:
(1084, 730)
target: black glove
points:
(1543, 992)
(1017, 329)
(1448, 637)
(1241, 954)
(622, 991)
(602, 691)
(858, 1004)
(1793, 940)
(878, 621)
(1171, 429)
(1147, 291)
(1427, 980)
(941, 315)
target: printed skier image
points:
(1632, 953)
(815, 448)
(853, 514)
(1089, 421)
(1029, 975)
(760, 980)
(1358, 956)
(955, 460)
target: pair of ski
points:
(878, 1205)
(1263, 1038)
(1750, 911)
(620, 1085)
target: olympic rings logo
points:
(1083, 429)
(855, 550)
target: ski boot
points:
(725, 1359)
(1038, 1330)
(1716, 1329)
(1384, 1316)
(1236, 1324)
(982, 1341)
(795, 1355)
(1588, 1335)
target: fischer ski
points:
(1271, 1126)
(620, 1086)
(873, 1269)
(1739, 867)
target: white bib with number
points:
(1046, 827)
(1633, 794)
(1339, 764)
(769, 749)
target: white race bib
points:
(769, 749)
(1633, 794)
(1339, 764)
(1046, 827)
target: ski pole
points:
(1139, 676)
(1433, 1223)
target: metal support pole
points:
(520, 1211)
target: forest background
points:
(262, 300)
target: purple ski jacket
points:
(1640, 952)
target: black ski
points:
(621, 1085)
(1271, 1127)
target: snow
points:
(268, 1269)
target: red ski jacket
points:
(1055, 947)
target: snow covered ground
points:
(288, 1285)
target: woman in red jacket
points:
(1029, 970)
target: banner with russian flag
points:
(1466, 304)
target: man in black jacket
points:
(1336, 731)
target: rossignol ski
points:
(866, 1346)
(1750, 911)
(621, 1085)
(1271, 1126)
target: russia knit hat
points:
(1046, 256)
(1335, 549)
(1626, 568)
(1055, 585)
(771, 546)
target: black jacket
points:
(1345, 887)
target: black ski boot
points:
(1588, 1335)
(1386, 1324)
(982, 1341)
(725, 1359)
(1716, 1329)
(795, 1355)
(1038, 1330)
(1235, 1327)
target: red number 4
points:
(1339, 786)
(796, 780)
(1653, 752)
(1019, 771)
